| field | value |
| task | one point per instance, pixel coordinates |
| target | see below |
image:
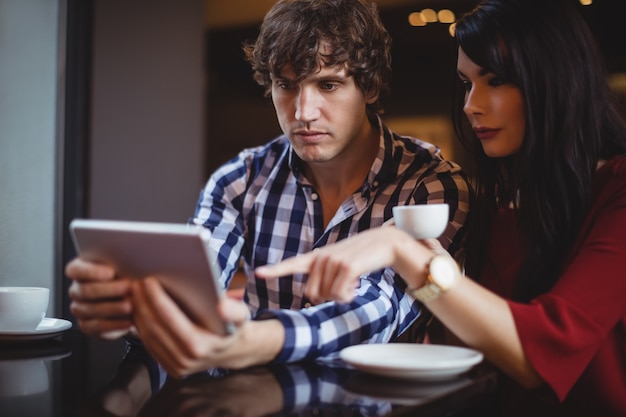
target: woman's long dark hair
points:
(546, 49)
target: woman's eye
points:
(496, 81)
(467, 86)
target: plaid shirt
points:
(261, 209)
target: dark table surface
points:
(72, 375)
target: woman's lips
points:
(486, 133)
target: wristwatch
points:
(443, 274)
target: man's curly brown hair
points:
(294, 30)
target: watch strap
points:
(427, 292)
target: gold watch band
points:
(427, 292)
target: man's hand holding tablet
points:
(176, 254)
(160, 279)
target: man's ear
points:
(371, 97)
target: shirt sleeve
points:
(220, 210)
(564, 330)
(378, 314)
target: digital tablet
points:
(177, 254)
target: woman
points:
(546, 249)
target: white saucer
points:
(48, 328)
(411, 360)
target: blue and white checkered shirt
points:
(261, 209)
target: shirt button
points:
(375, 183)
(307, 305)
(314, 196)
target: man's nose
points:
(307, 105)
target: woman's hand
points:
(334, 270)
(478, 317)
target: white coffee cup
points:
(422, 221)
(22, 308)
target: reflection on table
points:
(49, 379)
(26, 377)
(300, 389)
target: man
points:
(336, 171)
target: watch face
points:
(443, 271)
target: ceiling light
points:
(415, 19)
(446, 16)
(429, 15)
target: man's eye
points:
(284, 85)
(328, 86)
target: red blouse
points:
(574, 335)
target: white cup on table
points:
(22, 308)
(422, 221)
